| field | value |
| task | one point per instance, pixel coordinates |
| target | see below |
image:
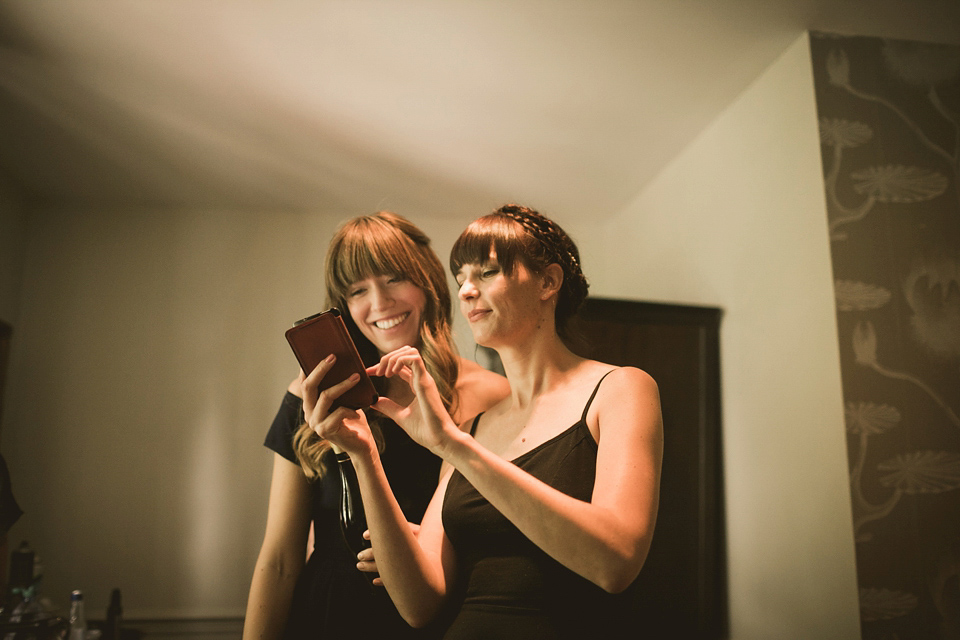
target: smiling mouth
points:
(390, 323)
(475, 314)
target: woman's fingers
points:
(394, 362)
(321, 369)
(366, 561)
(310, 384)
(407, 375)
(330, 426)
(317, 404)
(312, 397)
(333, 392)
(388, 407)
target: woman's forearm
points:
(597, 541)
(268, 605)
(282, 556)
(412, 576)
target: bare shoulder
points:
(474, 379)
(478, 389)
(626, 411)
(632, 378)
(626, 390)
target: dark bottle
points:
(21, 573)
(353, 521)
(114, 617)
(21, 569)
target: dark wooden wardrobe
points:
(682, 587)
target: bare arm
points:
(281, 555)
(414, 568)
(294, 388)
(413, 576)
(477, 390)
(605, 540)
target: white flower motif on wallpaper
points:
(894, 184)
(859, 296)
(899, 184)
(892, 179)
(869, 419)
(926, 65)
(884, 604)
(865, 344)
(838, 69)
(932, 290)
(843, 134)
(922, 472)
(866, 419)
(907, 474)
(865, 352)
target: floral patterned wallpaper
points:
(889, 116)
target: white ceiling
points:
(415, 105)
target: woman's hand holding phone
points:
(345, 428)
(316, 337)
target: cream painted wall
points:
(149, 363)
(150, 360)
(738, 221)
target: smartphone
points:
(314, 338)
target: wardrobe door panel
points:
(681, 589)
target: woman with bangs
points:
(547, 517)
(386, 279)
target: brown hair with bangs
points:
(386, 243)
(518, 233)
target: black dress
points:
(332, 598)
(509, 587)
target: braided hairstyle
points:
(518, 233)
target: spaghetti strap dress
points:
(509, 588)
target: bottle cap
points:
(76, 595)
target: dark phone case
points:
(314, 338)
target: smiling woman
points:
(386, 310)
(390, 285)
(373, 265)
(542, 527)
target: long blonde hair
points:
(387, 244)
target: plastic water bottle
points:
(78, 618)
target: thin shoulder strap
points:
(473, 427)
(583, 418)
